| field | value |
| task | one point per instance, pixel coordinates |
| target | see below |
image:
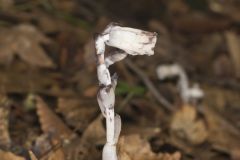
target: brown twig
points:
(166, 104)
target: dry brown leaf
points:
(91, 91)
(234, 49)
(86, 146)
(133, 147)
(24, 40)
(5, 140)
(6, 4)
(235, 154)
(77, 113)
(50, 122)
(64, 5)
(32, 155)
(186, 126)
(200, 23)
(221, 133)
(9, 156)
(222, 66)
(177, 7)
(56, 155)
(47, 148)
(89, 59)
(42, 145)
(94, 132)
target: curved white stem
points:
(109, 152)
(110, 125)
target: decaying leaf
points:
(47, 148)
(32, 155)
(6, 4)
(9, 156)
(85, 148)
(42, 145)
(5, 139)
(50, 122)
(133, 147)
(221, 133)
(24, 40)
(57, 154)
(235, 154)
(77, 113)
(198, 22)
(186, 125)
(234, 49)
(94, 131)
(91, 91)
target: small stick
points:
(166, 104)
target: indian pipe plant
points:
(128, 41)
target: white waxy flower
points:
(133, 41)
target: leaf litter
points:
(24, 40)
(46, 49)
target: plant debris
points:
(48, 83)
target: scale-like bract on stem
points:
(128, 41)
(114, 57)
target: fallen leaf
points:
(235, 154)
(57, 154)
(200, 23)
(233, 43)
(186, 126)
(221, 132)
(42, 145)
(5, 140)
(32, 155)
(24, 40)
(94, 132)
(86, 147)
(77, 112)
(6, 4)
(91, 91)
(47, 147)
(177, 7)
(133, 147)
(222, 66)
(9, 156)
(50, 122)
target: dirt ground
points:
(48, 80)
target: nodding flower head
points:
(132, 41)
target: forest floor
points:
(48, 81)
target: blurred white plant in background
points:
(187, 93)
